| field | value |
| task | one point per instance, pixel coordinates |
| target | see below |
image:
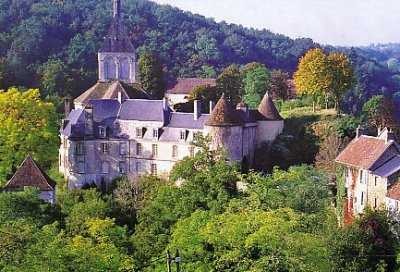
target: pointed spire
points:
(116, 8)
(268, 109)
(223, 114)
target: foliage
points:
(229, 82)
(365, 245)
(379, 112)
(256, 79)
(27, 126)
(204, 93)
(279, 86)
(151, 75)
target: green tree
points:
(151, 75)
(366, 245)
(27, 126)
(53, 78)
(229, 82)
(256, 80)
(279, 86)
(379, 112)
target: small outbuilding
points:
(29, 174)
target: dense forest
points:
(52, 45)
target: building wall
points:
(120, 66)
(267, 131)
(230, 138)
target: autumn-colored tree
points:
(311, 77)
(378, 112)
(342, 77)
(151, 75)
(27, 126)
(279, 86)
(229, 82)
(256, 79)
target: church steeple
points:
(117, 57)
(116, 8)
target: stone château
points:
(116, 129)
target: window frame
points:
(122, 167)
(154, 150)
(139, 149)
(175, 152)
(153, 169)
(105, 148)
(139, 132)
(102, 132)
(155, 133)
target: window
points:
(81, 168)
(183, 134)
(79, 149)
(362, 198)
(153, 169)
(138, 167)
(155, 133)
(154, 150)
(123, 148)
(122, 168)
(139, 149)
(375, 202)
(139, 132)
(102, 132)
(361, 176)
(191, 151)
(105, 148)
(396, 205)
(376, 181)
(105, 167)
(174, 151)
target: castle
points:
(115, 129)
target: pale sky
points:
(335, 22)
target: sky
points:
(334, 22)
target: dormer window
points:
(102, 132)
(183, 134)
(155, 133)
(139, 132)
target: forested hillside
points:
(52, 44)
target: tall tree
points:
(27, 126)
(279, 86)
(151, 75)
(229, 82)
(342, 76)
(379, 112)
(311, 77)
(256, 79)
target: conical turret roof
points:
(268, 110)
(224, 115)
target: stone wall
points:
(121, 66)
(267, 131)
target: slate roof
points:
(142, 110)
(224, 114)
(363, 152)
(29, 174)
(186, 85)
(268, 110)
(186, 120)
(75, 124)
(394, 191)
(117, 40)
(104, 109)
(109, 90)
(389, 168)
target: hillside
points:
(52, 45)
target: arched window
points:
(124, 69)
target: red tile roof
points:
(268, 109)
(363, 152)
(186, 85)
(394, 191)
(30, 175)
(224, 115)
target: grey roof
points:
(389, 168)
(186, 120)
(76, 124)
(142, 110)
(117, 40)
(105, 109)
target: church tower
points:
(117, 56)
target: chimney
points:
(89, 120)
(120, 100)
(387, 135)
(244, 108)
(359, 132)
(211, 106)
(67, 105)
(165, 104)
(197, 109)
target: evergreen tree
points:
(256, 79)
(151, 75)
(229, 82)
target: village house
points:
(29, 174)
(372, 170)
(117, 130)
(180, 92)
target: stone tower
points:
(226, 129)
(117, 56)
